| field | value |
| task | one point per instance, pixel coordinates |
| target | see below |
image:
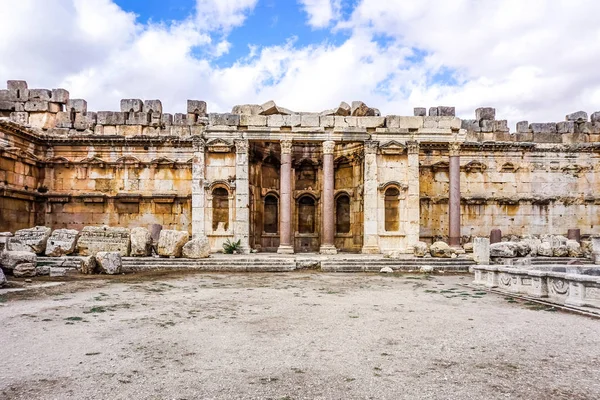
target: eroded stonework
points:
(345, 179)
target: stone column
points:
(370, 201)
(241, 224)
(413, 228)
(198, 192)
(454, 196)
(328, 239)
(285, 199)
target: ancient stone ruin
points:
(345, 179)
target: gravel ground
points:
(290, 336)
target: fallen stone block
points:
(3, 280)
(246, 109)
(62, 242)
(503, 249)
(141, 242)
(441, 250)
(197, 248)
(420, 249)
(171, 242)
(10, 259)
(94, 239)
(109, 262)
(270, 108)
(32, 239)
(25, 270)
(545, 250)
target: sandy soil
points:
(290, 336)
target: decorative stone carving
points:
(392, 147)
(241, 146)
(32, 239)
(94, 239)
(371, 147)
(62, 242)
(219, 146)
(328, 147)
(412, 147)
(286, 146)
(454, 149)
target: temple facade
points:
(340, 180)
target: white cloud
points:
(321, 12)
(534, 60)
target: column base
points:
(328, 249)
(285, 249)
(370, 250)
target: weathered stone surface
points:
(270, 108)
(246, 109)
(441, 250)
(503, 249)
(470, 125)
(131, 105)
(386, 270)
(171, 242)
(4, 236)
(88, 265)
(427, 269)
(77, 105)
(522, 249)
(141, 242)
(32, 239)
(60, 96)
(62, 242)
(110, 118)
(565, 127)
(344, 109)
(42, 270)
(595, 117)
(3, 280)
(574, 248)
(485, 113)
(360, 109)
(433, 111)
(152, 106)
(103, 238)
(468, 247)
(109, 262)
(10, 259)
(560, 251)
(523, 127)
(546, 127)
(444, 111)
(197, 107)
(197, 248)
(24, 270)
(420, 249)
(579, 116)
(419, 111)
(545, 250)
(224, 119)
(481, 250)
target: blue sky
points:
(533, 60)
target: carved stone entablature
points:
(164, 198)
(575, 169)
(129, 161)
(58, 160)
(163, 162)
(58, 198)
(371, 146)
(400, 186)
(313, 193)
(454, 149)
(286, 146)
(17, 153)
(92, 161)
(475, 200)
(229, 184)
(219, 146)
(440, 166)
(128, 197)
(412, 147)
(509, 167)
(392, 147)
(475, 166)
(92, 197)
(507, 201)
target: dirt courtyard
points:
(290, 336)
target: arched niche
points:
(271, 214)
(307, 208)
(220, 208)
(342, 213)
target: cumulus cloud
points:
(534, 60)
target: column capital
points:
(241, 146)
(454, 149)
(199, 144)
(286, 146)
(371, 146)
(328, 147)
(412, 147)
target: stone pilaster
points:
(198, 193)
(327, 242)
(413, 198)
(371, 229)
(454, 195)
(285, 199)
(241, 224)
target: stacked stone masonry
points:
(344, 179)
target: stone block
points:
(60, 96)
(16, 85)
(62, 242)
(63, 120)
(20, 117)
(197, 107)
(94, 239)
(430, 122)
(547, 127)
(433, 111)
(565, 127)
(344, 109)
(547, 137)
(584, 127)
(360, 109)
(26, 270)
(449, 122)
(309, 120)
(523, 127)
(141, 242)
(197, 248)
(485, 113)
(152, 106)
(595, 117)
(40, 94)
(275, 120)
(503, 137)
(419, 111)
(246, 109)
(481, 250)
(471, 125)
(501, 126)
(253, 120)
(327, 121)
(399, 122)
(579, 116)
(33, 240)
(138, 118)
(10, 259)
(371, 122)
(340, 122)
(166, 119)
(131, 105)
(77, 105)
(5, 95)
(42, 106)
(487, 125)
(223, 119)
(7, 105)
(444, 111)
(110, 118)
(171, 242)
(180, 119)
(109, 262)
(84, 121)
